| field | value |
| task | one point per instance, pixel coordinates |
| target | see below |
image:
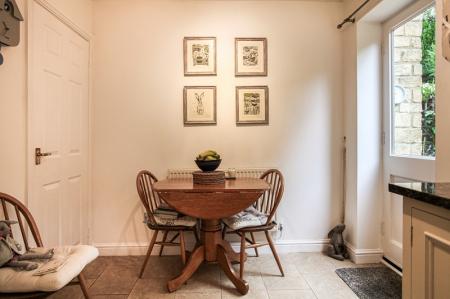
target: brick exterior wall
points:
(407, 88)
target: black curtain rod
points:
(350, 18)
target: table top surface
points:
(187, 185)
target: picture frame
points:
(252, 105)
(251, 57)
(199, 105)
(200, 56)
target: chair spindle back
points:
(269, 201)
(149, 198)
(19, 210)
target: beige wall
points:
(13, 117)
(138, 122)
(79, 11)
(13, 98)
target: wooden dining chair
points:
(258, 218)
(13, 284)
(151, 202)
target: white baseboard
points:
(364, 256)
(391, 267)
(283, 246)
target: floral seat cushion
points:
(250, 217)
(179, 220)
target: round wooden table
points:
(210, 203)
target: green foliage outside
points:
(428, 79)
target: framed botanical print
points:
(200, 56)
(251, 57)
(252, 105)
(199, 105)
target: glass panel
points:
(413, 86)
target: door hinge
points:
(382, 228)
(383, 138)
(412, 234)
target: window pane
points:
(413, 86)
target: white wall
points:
(138, 123)
(350, 131)
(369, 128)
(13, 98)
(362, 128)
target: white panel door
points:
(58, 125)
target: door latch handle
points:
(38, 154)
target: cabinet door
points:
(430, 259)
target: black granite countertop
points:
(437, 194)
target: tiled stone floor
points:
(308, 275)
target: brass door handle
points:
(38, 154)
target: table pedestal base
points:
(212, 249)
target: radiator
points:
(240, 173)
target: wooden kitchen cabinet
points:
(426, 251)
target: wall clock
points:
(10, 18)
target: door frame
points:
(86, 237)
(424, 165)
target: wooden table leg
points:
(213, 249)
(195, 260)
(233, 256)
(240, 284)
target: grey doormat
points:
(372, 282)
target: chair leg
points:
(254, 242)
(164, 240)
(224, 231)
(182, 247)
(197, 239)
(149, 252)
(274, 251)
(83, 286)
(242, 256)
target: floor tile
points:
(71, 291)
(252, 294)
(115, 281)
(153, 288)
(291, 294)
(328, 285)
(163, 267)
(309, 263)
(206, 280)
(199, 295)
(110, 297)
(132, 263)
(96, 268)
(255, 282)
(251, 267)
(291, 282)
(307, 276)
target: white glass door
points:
(409, 114)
